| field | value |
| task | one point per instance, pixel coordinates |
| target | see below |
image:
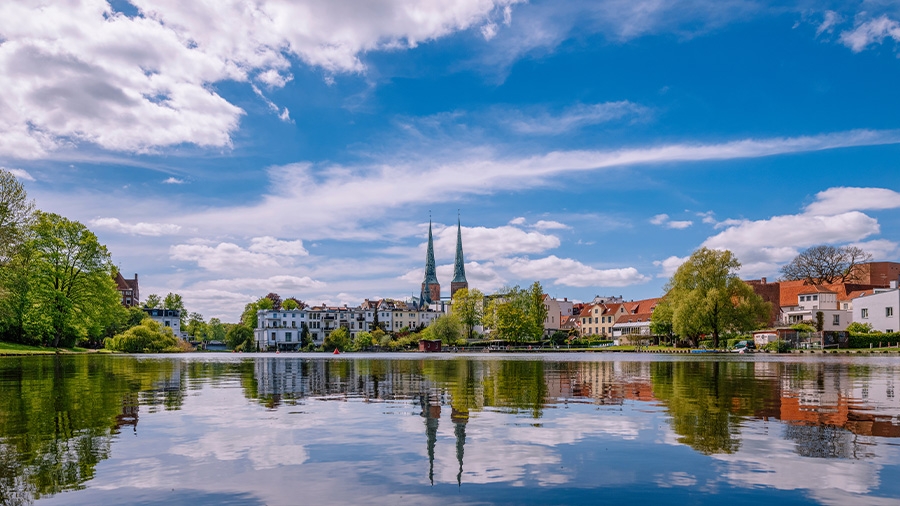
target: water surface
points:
(441, 429)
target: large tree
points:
(515, 314)
(16, 213)
(706, 297)
(72, 281)
(174, 301)
(153, 301)
(446, 329)
(468, 307)
(826, 264)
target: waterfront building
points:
(634, 320)
(880, 309)
(817, 299)
(167, 318)
(128, 289)
(281, 329)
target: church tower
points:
(459, 267)
(431, 289)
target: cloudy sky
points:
(226, 149)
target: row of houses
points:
(281, 329)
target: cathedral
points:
(431, 287)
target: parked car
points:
(743, 347)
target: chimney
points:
(763, 280)
(894, 284)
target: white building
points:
(814, 300)
(167, 318)
(879, 309)
(280, 329)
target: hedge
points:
(864, 340)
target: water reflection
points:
(386, 427)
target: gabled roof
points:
(790, 290)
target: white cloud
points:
(19, 173)
(843, 199)
(659, 219)
(272, 283)
(873, 31)
(273, 246)
(763, 245)
(517, 221)
(569, 272)
(483, 243)
(225, 256)
(679, 225)
(828, 23)
(80, 72)
(881, 249)
(663, 220)
(173, 180)
(550, 225)
(669, 266)
(141, 228)
(373, 191)
(572, 118)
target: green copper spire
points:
(430, 271)
(459, 268)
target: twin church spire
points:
(431, 288)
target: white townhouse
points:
(880, 309)
(167, 318)
(813, 300)
(281, 328)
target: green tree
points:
(174, 301)
(363, 340)
(468, 306)
(196, 327)
(446, 328)
(820, 321)
(75, 292)
(304, 335)
(16, 214)
(290, 304)
(339, 339)
(215, 330)
(859, 328)
(239, 337)
(153, 301)
(266, 303)
(148, 337)
(705, 296)
(515, 314)
(248, 316)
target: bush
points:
(778, 346)
(859, 328)
(864, 340)
(148, 337)
(705, 344)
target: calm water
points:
(409, 429)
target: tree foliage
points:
(446, 329)
(706, 297)
(859, 328)
(293, 303)
(515, 314)
(468, 307)
(16, 213)
(276, 300)
(153, 301)
(148, 337)
(826, 264)
(339, 339)
(239, 337)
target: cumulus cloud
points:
(173, 180)
(281, 282)
(569, 272)
(869, 32)
(484, 243)
(225, 256)
(272, 246)
(663, 220)
(140, 228)
(669, 266)
(550, 225)
(842, 199)
(82, 72)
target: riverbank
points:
(14, 349)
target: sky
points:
(226, 149)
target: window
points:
(168, 324)
(273, 336)
(864, 313)
(889, 311)
(836, 320)
(287, 336)
(815, 297)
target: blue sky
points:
(224, 150)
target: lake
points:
(266, 429)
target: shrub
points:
(778, 346)
(864, 340)
(148, 337)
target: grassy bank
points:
(7, 349)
